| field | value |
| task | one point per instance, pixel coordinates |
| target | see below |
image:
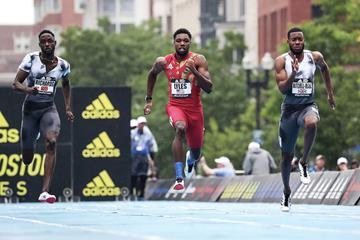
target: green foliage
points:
(101, 58)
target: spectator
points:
(319, 165)
(224, 167)
(258, 161)
(354, 164)
(141, 143)
(342, 164)
(133, 124)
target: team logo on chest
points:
(170, 66)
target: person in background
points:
(319, 165)
(224, 167)
(258, 161)
(141, 143)
(342, 164)
(354, 164)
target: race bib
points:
(302, 88)
(180, 88)
(45, 85)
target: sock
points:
(179, 170)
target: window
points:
(242, 8)
(126, 5)
(79, 6)
(125, 26)
(106, 8)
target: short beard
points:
(297, 52)
(182, 54)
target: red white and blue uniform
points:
(184, 100)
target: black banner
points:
(101, 138)
(25, 182)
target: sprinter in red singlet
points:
(187, 74)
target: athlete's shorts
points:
(194, 120)
(37, 117)
(292, 118)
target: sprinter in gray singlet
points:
(42, 70)
(295, 79)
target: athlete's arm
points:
(199, 67)
(283, 81)
(67, 97)
(18, 85)
(325, 73)
(157, 67)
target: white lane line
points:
(220, 220)
(84, 229)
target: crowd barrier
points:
(330, 187)
(93, 153)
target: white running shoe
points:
(179, 186)
(304, 174)
(46, 197)
(189, 170)
(285, 203)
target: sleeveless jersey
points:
(45, 82)
(182, 91)
(303, 86)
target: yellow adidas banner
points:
(3, 122)
(101, 146)
(7, 135)
(101, 108)
(100, 186)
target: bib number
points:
(45, 86)
(180, 88)
(302, 89)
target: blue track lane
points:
(176, 220)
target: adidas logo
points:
(101, 146)
(101, 108)
(7, 135)
(101, 185)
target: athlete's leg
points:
(29, 131)
(178, 148)
(310, 128)
(308, 118)
(177, 120)
(50, 159)
(50, 128)
(288, 132)
(286, 170)
(194, 136)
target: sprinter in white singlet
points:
(295, 79)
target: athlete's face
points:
(296, 42)
(182, 44)
(47, 44)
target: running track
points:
(176, 220)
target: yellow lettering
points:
(34, 167)
(42, 170)
(3, 187)
(3, 135)
(13, 135)
(3, 164)
(13, 165)
(22, 190)
(9, 135)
